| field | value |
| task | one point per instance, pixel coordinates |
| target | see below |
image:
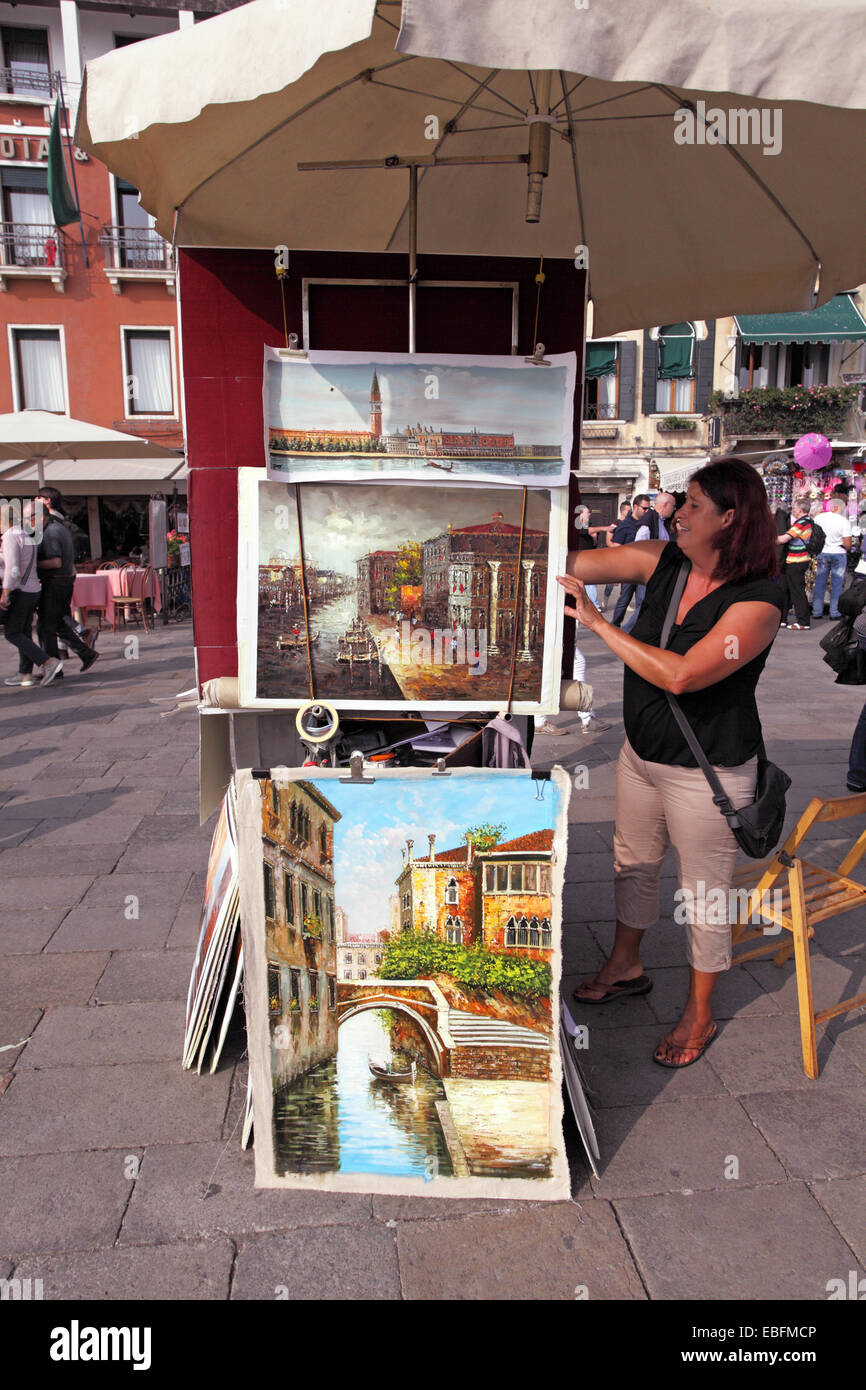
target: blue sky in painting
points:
(303, 395)
(377, 821)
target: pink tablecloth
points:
(99, 590)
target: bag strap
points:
(720, 796)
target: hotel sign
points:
(28, 147)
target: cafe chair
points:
(808, 894)
(107, 565)
(140, 591)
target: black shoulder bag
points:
(757, 828)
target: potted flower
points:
(673, 424)
(312, 925)
(295, 1007)
(314, 1004)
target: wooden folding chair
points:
(140, 590)
(807, 894)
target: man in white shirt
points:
(832, 559)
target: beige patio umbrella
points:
(524, 129)
(31, 438)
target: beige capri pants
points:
(658, 805)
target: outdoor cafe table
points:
(98, 591)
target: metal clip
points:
(356, 770)
(538, 358)
(440, 770)
(539, 789)
(292, 350)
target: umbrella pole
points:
(40, 472)
(413, 252)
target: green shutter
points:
(676, 343)
(600, 360)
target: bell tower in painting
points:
(375, 408)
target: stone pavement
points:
(107, 1148)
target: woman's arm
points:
(632, 564)
(740, 635)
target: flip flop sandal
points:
(642, 984)
(683, 1047)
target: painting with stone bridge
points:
(437, 598)
(431, 417)
(402, 942)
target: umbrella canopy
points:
(30, 438)
(534, 128)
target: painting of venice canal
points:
(413, 595)
(410, 971)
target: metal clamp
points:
(440, 770)
(356, 770)
(292, 350)
(538, 358)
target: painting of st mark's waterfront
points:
(402, 948)
(408, 595)
(343, 416)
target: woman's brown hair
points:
(749, 546)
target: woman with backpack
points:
(803, 539)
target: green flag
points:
(63, 205)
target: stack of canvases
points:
(399, 556)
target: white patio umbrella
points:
(532, 128)
(34, 437)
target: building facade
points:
(375, 577)
(89, 310)
(300, 926)
(470, 580)
(359, 959)
(499, 898)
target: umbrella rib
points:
(620, 96)
(364, 76)
(744, 164)
(576, 170)
(567, 94)
(468, 103)
(496, 72)
(435, 96)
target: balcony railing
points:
(136, 248)
(599, 412)
(30, 245)
(28, 82)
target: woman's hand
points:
(583, 609)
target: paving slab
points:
(110, 1107)
(199, 1270)
(168, 1202)
(663, 944)
(136, 975)
(25, 932)
(736, 995)
(12, 832)
(185, 929)
(398, 1209)
(122, 911)
(106, 1035)
(764, 1054)
(556, 1252)
(620, 1070)
(104, 827)
(42, 890)
(817, 1131)
(844, 1201)
(848, 1034)
(319, 1264)
(72, 1201)
(16, 1025)
(684, 1145)
(50, 979)
(28, 860)
(784, 1246)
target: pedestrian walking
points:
(832, 559)
(18, 600)
(55, 564)
(795, 565)
(625, 533)
(725, 623)
(663, 508)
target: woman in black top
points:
(723, 629)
